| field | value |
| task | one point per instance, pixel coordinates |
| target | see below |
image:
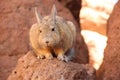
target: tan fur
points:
(59, 33)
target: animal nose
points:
(47, 42)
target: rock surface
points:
(31, 68)
(95, 13)
(93, 17)
(96, 44)
(7, 64)
(110, 69)
(16, 17)
(74, 6)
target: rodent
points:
(52, 34)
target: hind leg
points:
(60, 54)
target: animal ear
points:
(38, 16)
(53, 14)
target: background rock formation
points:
(110, 69)
(30, 68)
(96, 44)
(95, 13)
(93, 19)
(74, 6)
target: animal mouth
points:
(48, 46)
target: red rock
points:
(74, 6)
(96, 44)
(110, 69)
(93, 19)
(31, 68)
(7, 63)
(95, 13)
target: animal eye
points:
(40, 31)
(53, 29)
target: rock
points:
(31, 68)
(96, 44)
(7, 64)
(74, 6)
(81, 50)
(95, 13)
(93, 19)
(110, 69)
(16, 18)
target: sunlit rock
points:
(96, 44)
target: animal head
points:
(48, 30)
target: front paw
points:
(40, 56)
(49, 56)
